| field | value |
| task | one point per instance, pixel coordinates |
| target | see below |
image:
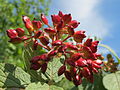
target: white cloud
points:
(87, 12)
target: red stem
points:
(49, 26)
(28, 38)
(43, 46)
(66, 38)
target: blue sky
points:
(99, 18)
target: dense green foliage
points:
(14, 77)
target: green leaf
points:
(112, 81)
(42, 86)
(12, 76)
(37, 86)
(65, 84)
(68, 85)
(53, 87)
(52, 70)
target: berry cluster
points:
(81, 59)
(110, 65)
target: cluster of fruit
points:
(81, 59)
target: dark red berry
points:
(61, 70)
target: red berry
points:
(12, 33)
(67, 18)
(60, 14)
(44, 57)
(50, 31)
(37, 34)
(86, 72)
(96, 65)
(74, 23)
(62, 49)
(35, 45)
(73, 71)
(70, 62)
(77, 80)
(88, 42)
(57, 43)
(52, 53)
(28, 23)
(61, 70)
(93, 47)
(70, 30)
(20, 31)
(44, 19)
(71, 46)
(76, 56)
(60, 26)
(67, 75)
(36, 24)
(16, 40)
(44, 67)
(35, 66)
(44, 40)
(56, 19)
(94, 70)
(35, 59)
(99, 62)
(79, 36)
(81, 62)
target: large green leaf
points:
(65, 84)
(12, 76)
(112, 81)
(42, 86)
(53, 87)
(52, 70)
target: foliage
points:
(12, 76)
(15, 77)
(112, 81)
(97, 85)
(40, 86)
